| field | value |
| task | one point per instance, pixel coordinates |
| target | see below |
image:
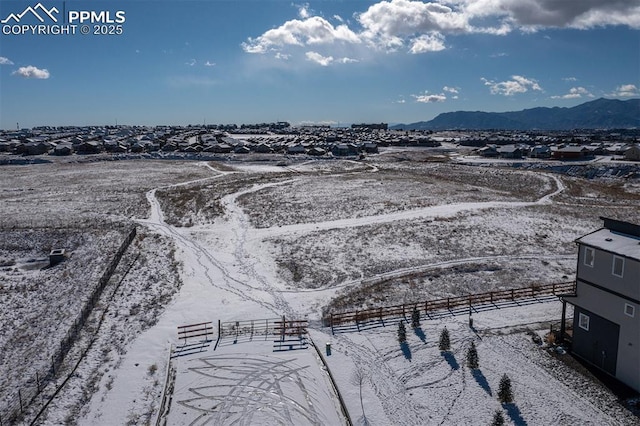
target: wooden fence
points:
(449, 303)
(26, 394)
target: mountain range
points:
(598, 114)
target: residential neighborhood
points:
(317, 141)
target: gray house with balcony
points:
(606, 318)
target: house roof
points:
(573, 149)
(614, 242)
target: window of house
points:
(583, 321)
(618, 266)
(629, 309)
(589, 255)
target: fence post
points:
(553, 291)
(380, 315)
(331, 323)
(513, 297)
(38, 382)
(426, 307)
(20, 399)
(491, 296)
(284, 326)
(448, 303)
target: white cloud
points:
(209, 64)
(499, 55)
(422, 26)
(406, 17)
(347, 60)
(535, 14)
(311, 31)
(191, 62)
(625, 91)
(327, 60)
(319, 59)
(427, 98)
(427, 43)
(5, 61)
(282, 56)
(570, 79)
(575, 93)
(32, 72)
(517, 84)
(303, 11)
(454, 90)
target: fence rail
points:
(429, 306)
(26, 394)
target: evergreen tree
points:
(444, 344)
(505, 394)
(402, 333)
(498, 419)
(472, 356)
(415, 318)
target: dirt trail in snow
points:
(241, 237)
(398, 273)
(203, 258)
(441, 211)
(238, 223)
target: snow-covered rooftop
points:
(612, 241)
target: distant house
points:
(37, 148)
(488, 151)
(219, 148)
(606, 315)
(89, 147)
(343, 149)
(63, 149)
(370, 147)
(510, 151)
(241, 149)
(296, 149)
(616, 149)
(540, 151)
(633, 153)
(316, 151)
(263, 148)
(169, 147)
(572, 153)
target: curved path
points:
(441, 211)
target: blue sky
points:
(331, 61)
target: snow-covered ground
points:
(263, 241)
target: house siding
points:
(611, 307)
(604, 297)
(602, 272)
(598, 345)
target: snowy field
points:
(237, 241)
